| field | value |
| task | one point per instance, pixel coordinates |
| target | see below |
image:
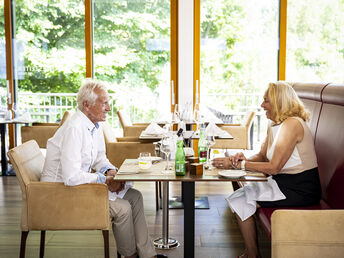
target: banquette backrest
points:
(326, 104)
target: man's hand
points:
(112, 172)
(114, 186)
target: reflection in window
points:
(132, 53)
(315, 41)
(49, 55)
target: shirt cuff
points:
(105, 168)
(101, 178)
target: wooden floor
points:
(216, 232)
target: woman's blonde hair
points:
(285, 102)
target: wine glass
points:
(210, 142)
(166, 147)
(175, 116)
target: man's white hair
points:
(86, 92)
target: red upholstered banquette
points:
(326, 104)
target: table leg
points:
(3, 150)
(189, 219)
(165, 242)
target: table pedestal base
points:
(200, 202)
(171, 243)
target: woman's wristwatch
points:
(243, 164)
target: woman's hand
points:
(223, 163)
(236, 159)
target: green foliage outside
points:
(52, 33)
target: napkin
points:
(213, 129)
(154, 129)
(244, 200)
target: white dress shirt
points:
(77, 147)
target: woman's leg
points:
(249, 233)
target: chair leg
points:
(41, 250)
(23, 243)
(106, 243)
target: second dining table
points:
(130, 171)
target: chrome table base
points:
(165, 242)
(171, 243)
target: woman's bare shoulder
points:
(294, 126)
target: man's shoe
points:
(161, 256)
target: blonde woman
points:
(287, 157)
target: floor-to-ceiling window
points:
(315, 41)
(3, 91)
(238, 49)
(132, 53)
(49, 51)
(238, 55)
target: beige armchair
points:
(240, 132)
(129, 129)
(52, 206)
(307, 233)
(41, 132)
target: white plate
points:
(156, 158)
(232, 173)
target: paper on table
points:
(153, 129)
(213, 129)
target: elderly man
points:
(77, 148)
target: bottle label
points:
(180, 169)
(203, 154)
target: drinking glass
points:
(145, 160)
(176, 117)
(166, 147)
(210, 142)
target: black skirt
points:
(302, 189)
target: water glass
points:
(210, 142)
(166, 147)
(145, 160)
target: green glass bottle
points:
(202, 145)
(180, 158)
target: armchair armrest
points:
(67, 207)
(128, 139)
(45, 124)
(141, 124)
(229, 125)
(307, 233)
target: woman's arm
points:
(233, 161)
(291, 133)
